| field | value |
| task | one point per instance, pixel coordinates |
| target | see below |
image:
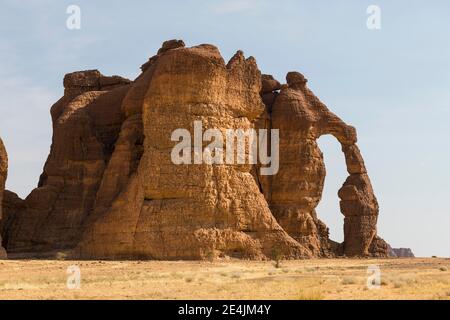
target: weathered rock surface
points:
(192, 211)
(3, 174)
(110, 189)
(86, 125)
(294, 193)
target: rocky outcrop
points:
(110, 188)
(191, 211)
(86, 125)
(402, 253)
(12, 207)
(3, 174)
(294, 193)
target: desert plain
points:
(317, 279)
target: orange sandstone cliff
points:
(109, 189)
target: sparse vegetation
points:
(384, 282)
(277, 257)
(349, 280)
(210, 256)
(231, 279)
(61, 256)
(313, 295)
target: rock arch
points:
(295, 192)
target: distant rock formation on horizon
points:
(403, 252)
(109, 189)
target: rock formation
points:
(3, 173)
(86, 124)
(294, 193)
(402, 253)
(111, 190)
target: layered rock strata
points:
(110, 188)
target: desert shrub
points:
(349, 280)
(61, 256)
(313, 295)
(277, 256)
(209, 255)
(384, 282)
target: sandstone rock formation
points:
(294, 193)
(3, 173)
(86, 124)
(111, 190)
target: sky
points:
(391, 83)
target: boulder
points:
(269, 84)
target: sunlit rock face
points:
(3, 174)
(111, 190)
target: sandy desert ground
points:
(305, 280)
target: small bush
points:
(61, 256)
(443, 269)
(277, 257)
(313, 295)
(349, 280)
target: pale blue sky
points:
(392, 84)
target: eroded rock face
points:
(86, 124)
(111, 190)
(295, 192)
(172, 211)
(3, 174)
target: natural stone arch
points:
(295, 192)
(328, 209)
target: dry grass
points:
(305, 280)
